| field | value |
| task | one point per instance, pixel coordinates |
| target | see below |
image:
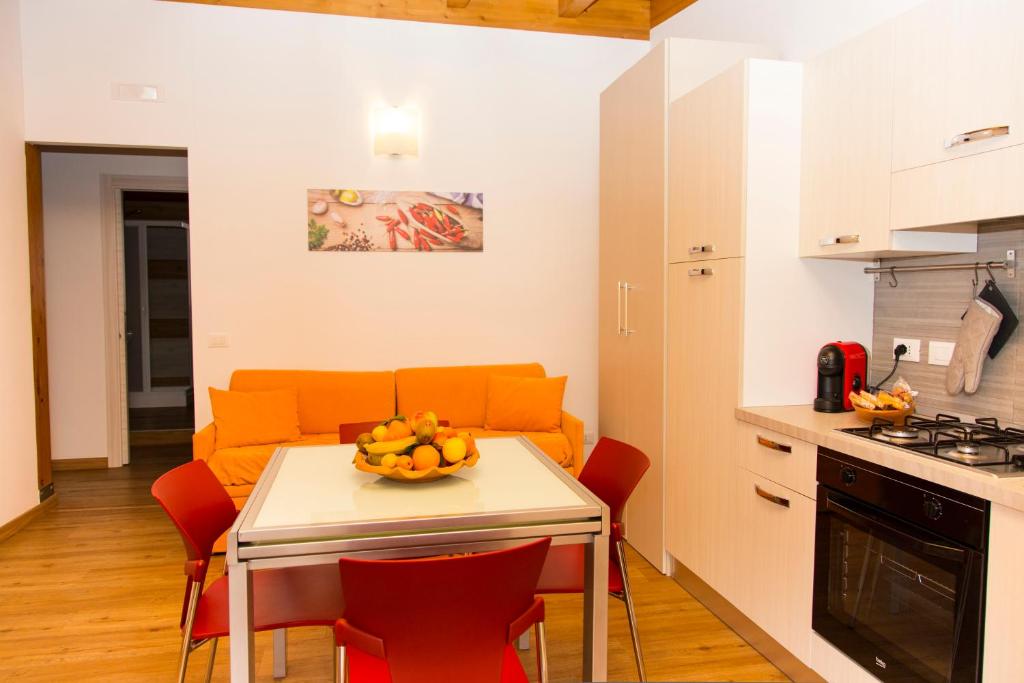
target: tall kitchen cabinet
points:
(632, 280)
(746, 317)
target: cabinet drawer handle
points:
(771, 497)
(627, 288)
(833, 240)
(774, 445)
(695, 272)
(975, 135)
(702, 249)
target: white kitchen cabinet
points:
(776, 553)
(778, 458)
(1003, 655)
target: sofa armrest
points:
(572, 427)
(203, 442)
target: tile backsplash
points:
(928, 306)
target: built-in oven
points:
(899, 571)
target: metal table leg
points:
(595, 610)
(242, 642)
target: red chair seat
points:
(563, 571)
(282, 598)
(364, 668)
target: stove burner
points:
(901, 432)
(968, 447)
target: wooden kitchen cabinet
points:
(958, 113)
(775, 526)
(706, 170)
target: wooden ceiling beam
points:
(610, 18)
(570, 9)
(665, 9)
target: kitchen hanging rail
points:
(1009, 265)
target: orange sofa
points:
(329, 398)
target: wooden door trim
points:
(112, 218)
(37, 289)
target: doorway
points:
(157, 317)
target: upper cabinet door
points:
(706, 170)
(959, 88)
(847, 147)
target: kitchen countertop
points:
(803, 423)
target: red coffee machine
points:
(842, 368)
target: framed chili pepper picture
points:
(378, 220)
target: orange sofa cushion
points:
(247, 418)
(327, 398)
(243, 466)
(528, 404)
(555, 445)
(457, 394)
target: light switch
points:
(913, 349)
(217, 340)
(940, 352)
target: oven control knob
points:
(848, 475)
(932, 508)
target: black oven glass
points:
(899, 600)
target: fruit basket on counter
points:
(894, 406)
(415, 449)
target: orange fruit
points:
(404, 462)
(389, 460)
(379, 433)
(439, 439)
(398, 429)
(454, 449)
(425, 457)
(470, 441)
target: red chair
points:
(282, 598)
(441, 619)
(611, 473)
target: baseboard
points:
(744, 627)
(79, 464)
(15, 525)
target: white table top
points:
(318, 485)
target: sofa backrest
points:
(327, 398)
(457, 394)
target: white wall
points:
(75, 307)
(274, 103)
(18, 486)
(798, 29)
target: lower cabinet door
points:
(777, 558)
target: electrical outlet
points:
(588, 437)
(940, 352)
(913, 349)
(217, 340)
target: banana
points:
(384, 447)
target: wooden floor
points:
(91, 591)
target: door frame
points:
(112, 218)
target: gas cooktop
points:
(981, 445)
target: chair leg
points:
(340, 673)
(213, 656)
(630, 612)
(542, 652)
(280, 653)
(523, 641)
(186, 637)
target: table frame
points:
(251, 549)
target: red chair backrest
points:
(442, 619)
(197, 504)
(612, 472)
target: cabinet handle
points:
(626, 287)
(771, 497)
(774, 445)
(695, 272)
(618, 307)
(975, 135)
(838, 239)
(702, 249)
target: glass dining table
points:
(311, 506)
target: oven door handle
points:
(950, 553)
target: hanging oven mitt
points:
(990, 293)
(976, 332)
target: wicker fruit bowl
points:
(897, 417)
(414, 450)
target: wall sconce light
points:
(396, 131)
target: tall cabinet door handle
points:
(833, 240)
(618, 307)
(771, 497)
(975, 135)
(626, 330)
(774, 445)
